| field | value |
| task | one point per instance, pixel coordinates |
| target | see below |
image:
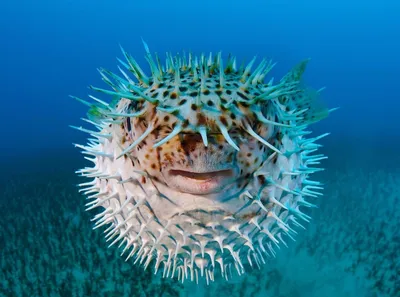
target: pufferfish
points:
(201, 169)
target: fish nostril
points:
(190, 142)
(195, 137)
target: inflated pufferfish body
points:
(201, 168)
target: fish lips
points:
(200, 182)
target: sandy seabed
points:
(350, 248)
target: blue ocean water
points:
(51, 49)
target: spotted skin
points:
(201, 169)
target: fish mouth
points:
(202, 176)
(200, 183)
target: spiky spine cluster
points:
(284, 107)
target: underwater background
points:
(51, 49)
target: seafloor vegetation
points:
(351, 248)
(49, 249)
